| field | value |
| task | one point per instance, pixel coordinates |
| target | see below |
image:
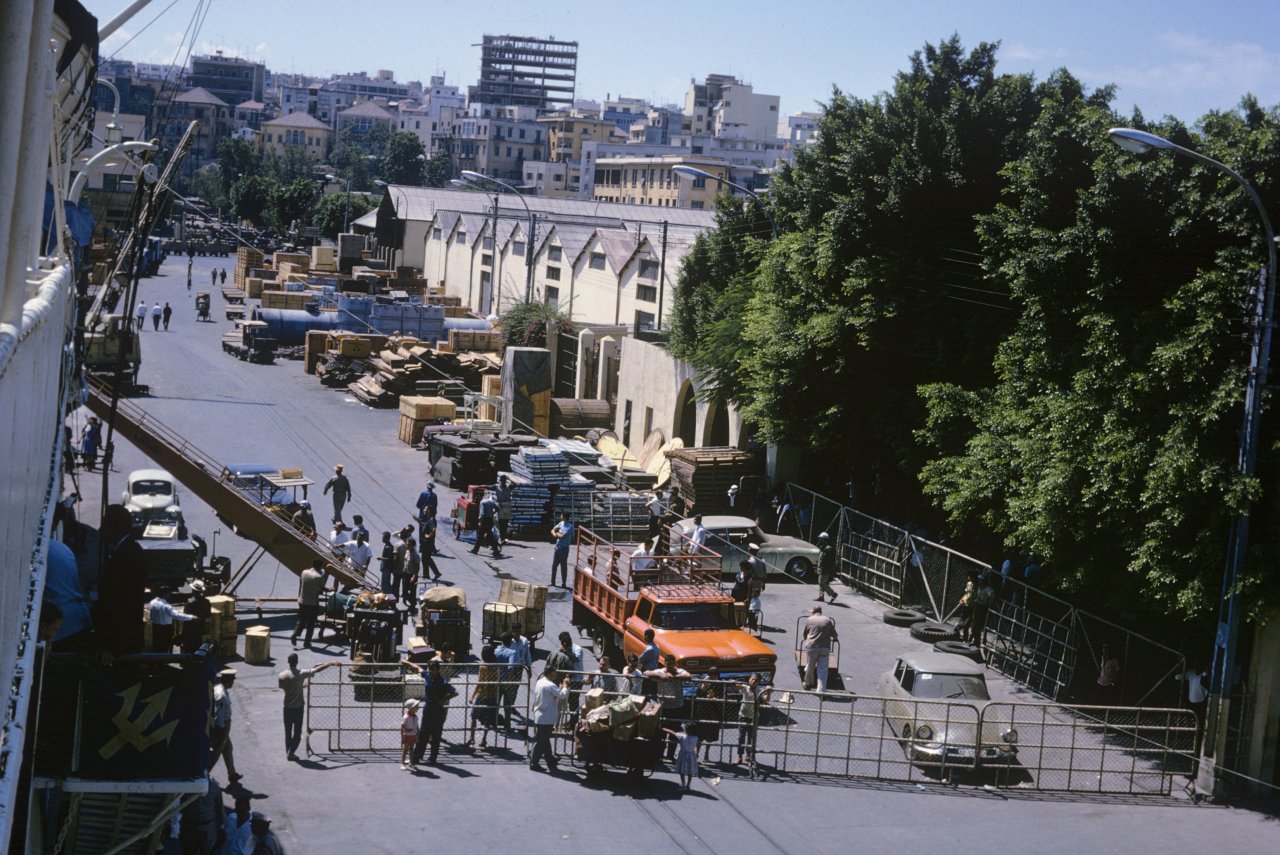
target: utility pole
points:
(528, 257)
(494, 288)
(662, 276)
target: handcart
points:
(602, 740)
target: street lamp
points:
(692, 172)
(396, 209)
(1221, 676)
(478, 178)
(101, 159)
(346, 208)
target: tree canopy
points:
(978, 302)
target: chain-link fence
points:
(358, 708)
(1032, 637)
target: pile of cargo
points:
(221, 628)
(419, 411)
(443, 618)
(625, 731)
(518, 602)
(701, 477)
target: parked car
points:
(730, 536)
(934, 701)
(151, 493)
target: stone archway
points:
(715, 430)
(686, 422)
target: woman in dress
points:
(687, 759)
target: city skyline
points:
(1166, 59)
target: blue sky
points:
(1167, 58)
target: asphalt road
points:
(276, 414)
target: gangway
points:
(202, 475)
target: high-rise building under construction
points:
(526, 72)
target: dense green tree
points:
(328, 213)
(438, 170)
(253, 197)
(206, 183)
(526, 324)
(404, 161)
(236, 157)
(293, 203)
(1108, 442)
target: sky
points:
(1169, 58)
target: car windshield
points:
(690, 616)
(152, 487)
(960, 686)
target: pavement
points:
(237, 412)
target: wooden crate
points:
(257, 645)
(227, 647)
(424, 407)
(496, 618)
(411, 429)
(223, 605)
(355, 347)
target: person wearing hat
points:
(341, 488)
(757, 570)
(409, 731)
(826, 567)
(305, 521)
(293, 680)
(220, 737)
(257, 837)
(200, 610)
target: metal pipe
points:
(108, 29)
(77, 186)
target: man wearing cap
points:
(293, 680)
(339, 535)
(220, 737)
(757, 571)
(341, 488)
(256, 837)
(826, 567)
(200, 610)
(819, 634)
(310, 584)
(305, 521)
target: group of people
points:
(159, 315)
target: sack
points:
(444, 598)
(597, 721)
(624, 732)
(622, 711)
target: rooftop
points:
(299, 119)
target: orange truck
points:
(679, 597)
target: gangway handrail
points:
(203, 475)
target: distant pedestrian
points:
(166, 314)
(1197, 697)
(310, 584)
(546, 712)
(753, 694)
(140, 316)
(90, 442)
(487, 525)
(304, 520)
(339, 535)
(409, 729)
(563, 534)
(984, 595)
(357, 526)
(358, 553)
(697, 541)
(428, 506)
(502, 492)
(220, 737)
(189, 262)
(687, 760)
(213, 278)
(485, 698)
(1108, 677)
(387, 565)
(819, 634)
(293, 680)
(757, 570)
(671, 680)
(341, 489)
(157, 314)
(200, 610)
(410, 569)
(258, 838)
(436, 694)
(826, 567)
(222, 276)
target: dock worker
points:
(341, 488)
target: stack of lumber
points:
(701, 477)
(619, 516)
(530, 502)
(246, 257)
(545, 466)
(574, 496)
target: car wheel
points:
(904, 617)
(799, 568)
(959, 648)
(932, 631)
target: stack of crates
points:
(246, 257)
(418, 411)
(530, 600)
(222, 629)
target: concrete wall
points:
(1264, 738)
(652, 380)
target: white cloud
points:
(1019, 52)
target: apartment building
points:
(725, 107)
(232, 79)
(298, 130)
(525, 71)
(495, 140)
(170, 119)
(357, 124)
(651, 181)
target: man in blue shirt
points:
(428, 499)
(563, 533)
(436, 694)
(507, 654)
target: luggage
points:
(444, 598)
(647, 723)
(594, 698)
(625, 731)
(622, 711)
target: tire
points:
(904, 617)
(799, 568)
(959, 648)
(932, 631)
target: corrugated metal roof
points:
(421, 203)
(200, 95)
(298, 120)
(619, 245)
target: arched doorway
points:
(716, 429)
(686, 426)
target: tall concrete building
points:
(523, 71)
(228, 78)
(725, 107)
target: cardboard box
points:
(496, 618)
(522, 594)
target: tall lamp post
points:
(693, 172)
(478, 178)
(1222, 675)
(399, 231)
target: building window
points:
(553, 273)
(644, 320)
(517, 248)
(648, 421)
(648, 268)
(699, 183)
(461, 238)
(626, 424)
(647, 293)
(553, 296)
(487, 243)
(437, 233)
(696, 205)
(553, 253)
(486, 260)
(597, 261)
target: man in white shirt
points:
(220, 737)
(339, 535)
(642, 558)
(546, 711)
(358, 553)
(162, 616)
(698, 540)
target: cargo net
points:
(357, 708)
